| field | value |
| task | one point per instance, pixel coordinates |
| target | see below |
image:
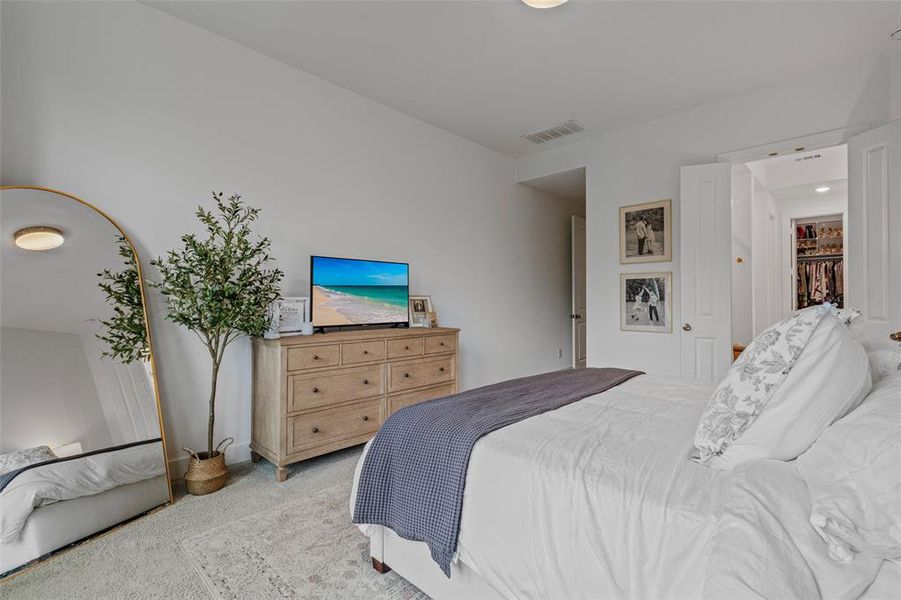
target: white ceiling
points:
(838, 189)
(54, 290)
(491, 70)
(810, 169)
(569, 185)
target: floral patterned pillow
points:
(752, 381)
(22, 458)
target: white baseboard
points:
(236, 453)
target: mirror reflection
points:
(79, 422)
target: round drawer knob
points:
(365, 351)
(315, 390)
(315, 430)
(365, 381)
(406, 374)
(406, 347)
(441, 369)
(315, 357)
(441, 344)
(365, 418)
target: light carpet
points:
(255, 538)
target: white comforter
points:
(70, 479)
(598, 500)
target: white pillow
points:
(753, 379)
(22, 458)
(853, 472)
(884, 362)
(830, 378)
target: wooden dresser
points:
(316, 394)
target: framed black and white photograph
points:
(646, 302)
(645, 232)
(420, 307)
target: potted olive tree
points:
(218, 287)
(124, 333)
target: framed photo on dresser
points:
(646, 302)
(420, 307)
(646, 232)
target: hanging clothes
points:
(820, 281)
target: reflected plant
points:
(125, 334)
(219, 287)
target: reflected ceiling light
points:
(544, 3)
(822, 189)
(39, 238)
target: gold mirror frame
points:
(152, 358)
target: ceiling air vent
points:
(564, 129)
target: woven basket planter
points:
(206, 475)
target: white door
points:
(706, 250)
(874, 230)
(579, 313)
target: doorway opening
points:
(789, 243)
(570, 185)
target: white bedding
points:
(598, 500)
(72, 479)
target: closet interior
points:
(819, 261)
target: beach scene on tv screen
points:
(358, 292)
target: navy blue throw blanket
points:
(414, 473)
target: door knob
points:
(686, 327)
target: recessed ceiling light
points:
(39, 238)
(822, 189)
(544, 3)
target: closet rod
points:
(822, 257)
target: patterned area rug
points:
(306, 548)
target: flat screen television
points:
(347, 291)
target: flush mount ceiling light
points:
(544, 3)
(39, 238)
(822, 189)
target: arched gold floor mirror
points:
(82, 446)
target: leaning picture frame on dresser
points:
(317, 394)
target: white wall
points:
(895, 71)
(47, 394)
(766, 283)
(143, 115)
(641, 163)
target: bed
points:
(50, 505)
(598, 499)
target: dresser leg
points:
(255, 457)
(281, 474)
(380, 567)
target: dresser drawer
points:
(360, 352)
(440, 344)
(318, 428)
(405, 348)
(414, 374)
(332, 387)
(312, 357)
(398, 401)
